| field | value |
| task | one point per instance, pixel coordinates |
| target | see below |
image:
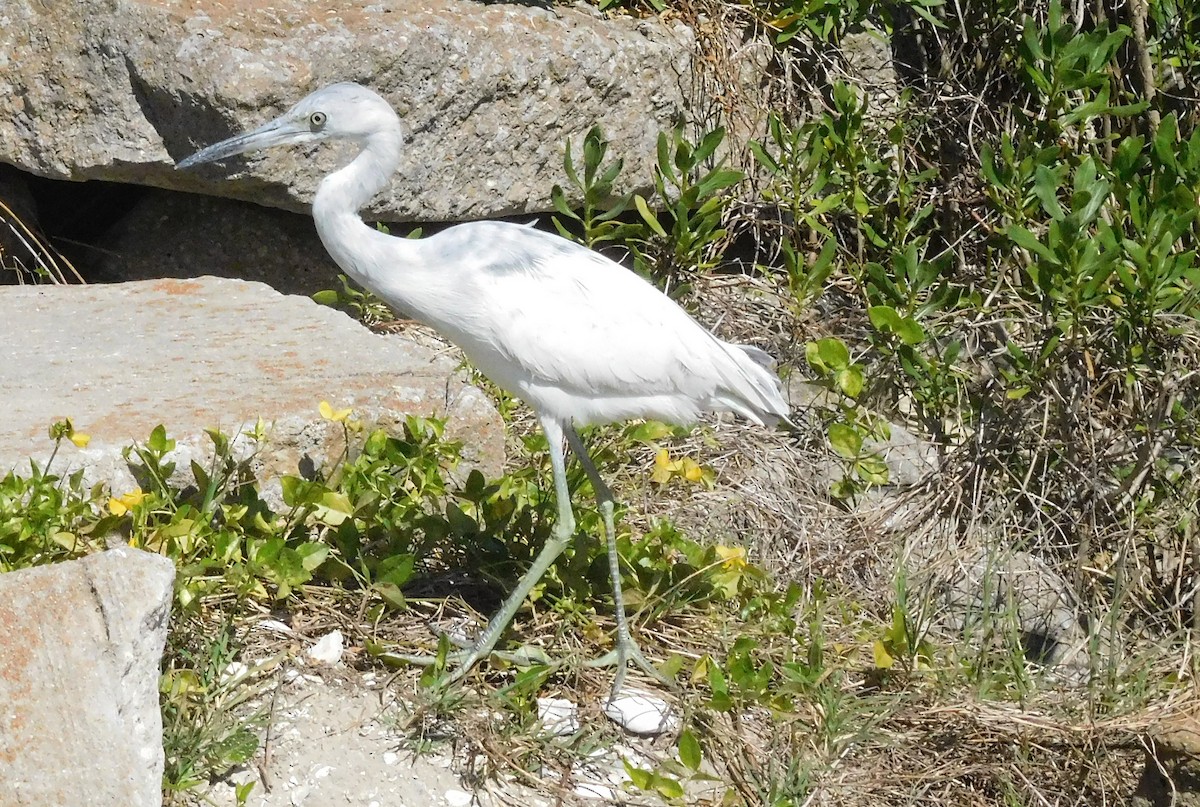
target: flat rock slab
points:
(80, 648)
(213, 353)
(489, 92)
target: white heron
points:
(578, 337)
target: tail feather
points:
(753, 390)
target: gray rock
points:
(1171, 776)
(118, 90)
(79, 666)
(992, 595)
(910, 459)
(868, 59)
(178, 235)
(211, 353)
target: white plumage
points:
(578, 337)
(581, 338)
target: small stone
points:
(559, 716)
(233, 671)
(596, 791)
(458, 798)
(642, 713)
(328, 649)
(275, 626)
(390, 758)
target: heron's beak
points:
(276, 133)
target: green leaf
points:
(845, 439)
(641, 779)
(833, 352)
(312, 555)
(849, 381)
(236, 748)
(648, 215)
(391, 594)
(569, 166)
(299, 492)
(718, 180)
(201, 476)
(872, 470)
(395, 569)
(327, 297)
(708, 145)
(689, 750)
(667, 787)
(559, 199)
(1029, 242)
(649, 431)
(664, 157)
(861, 207)
(158, 442)
(1045, 188)
(764, 158)
(910, 331)
(884, 318)
(333, 508)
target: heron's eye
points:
(317, 119)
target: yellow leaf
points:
(80, 439)
(329, 413)
(692, 471)
(662, 467)
(883, 659)
(732, 557)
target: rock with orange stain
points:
(80, 648)
(211, 353)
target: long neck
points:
(368, 256)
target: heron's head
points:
(340, 111)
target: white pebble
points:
(390, 757)
(275, 626)
(559, 716)
(596, 791)
(233, 671)
(458, 798)
(642, 714)
(328, 649)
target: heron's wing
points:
(572, 318)
(583, 337)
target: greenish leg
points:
(560, 536)
(627, 649)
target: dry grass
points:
(29, 255)
(947, 733)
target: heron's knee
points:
(563, 530)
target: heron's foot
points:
(626, 651)
(460, 662)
